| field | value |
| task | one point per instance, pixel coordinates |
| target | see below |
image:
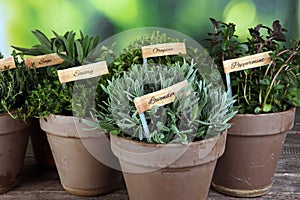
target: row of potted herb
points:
(194, 119)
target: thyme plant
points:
(203, 112)
(14, 87)
(271, 88)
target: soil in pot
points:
(253, 147)
(14, 136)
(173, 171)
(40, 145)
(79, 171)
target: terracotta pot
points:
(79, 171)
(40, 145)
(14, 136)
(172, 171)
(253, 148)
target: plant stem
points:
(275, 77)
(245, 90)
(262, 44)
(271, 85)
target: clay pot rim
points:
(3, 114)
(265, 114)
(173, 145)
(51, 119)
(67, 117)
(19, 124)
(60, 115)
(6, 113)
(262, 124)
(157, 156)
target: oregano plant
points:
(132, 54)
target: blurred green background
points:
(108, 17)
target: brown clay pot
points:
(79, 171)
(253, 147)
(40, 145)
(172, 171)
(14, 136)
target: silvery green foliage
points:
(198, 111)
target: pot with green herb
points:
(132, 53)
(14, 131)
(266, 96)
(184, 134)
(61, 113)
(40, 145)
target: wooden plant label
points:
(160, 98)
(7, 62)
(163, 49)
(247, 62)
(44, 60)
(83, 72)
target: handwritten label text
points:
(159, 98)
(82, 72)
(163, 49)
(45, 61)
(154, 99)
(247, 62)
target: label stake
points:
(82, 72)
(243, 63)
(154, 51)
(158, 98)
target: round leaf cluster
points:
(198, 111)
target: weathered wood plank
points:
(59, 195)
(277, 196)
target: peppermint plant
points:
(271, 88)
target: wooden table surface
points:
(43, 184)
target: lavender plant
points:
(202, 113)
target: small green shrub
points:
(271, 88)
(202, 113)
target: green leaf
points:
(42, 38)
(267, 108)
(265, 82)
(114, 132)
(79, 50)
(107, 126)
(162, 127)
(156, 137)
(278, 86)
